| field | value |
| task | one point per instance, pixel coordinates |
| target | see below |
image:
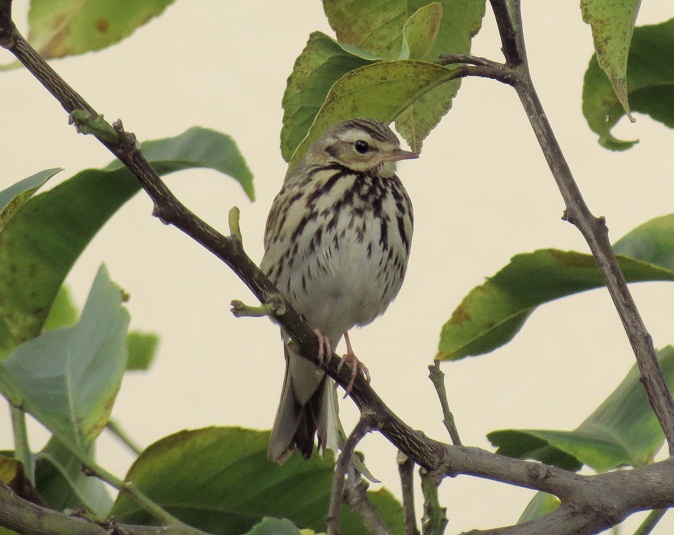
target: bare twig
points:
(592, 228)
(451, 59)
(363, 427)
(406, 470)
(434, 520)
(512, 39)
(437, 377)
(355, 494)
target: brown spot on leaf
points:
(102, 25)
(461, 315)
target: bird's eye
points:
(361, 146)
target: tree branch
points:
(355, 494)
(25, 517)
(437, 377)
(363, 427)
(406, 470)
(592, 228)
(434, 520)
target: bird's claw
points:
(356, 367)
(324, 349)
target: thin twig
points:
(512, 38)
(406, 470)
(434, 520)
(437, 377)
(451, 59)
(355, 494)
(363, 427)
(592, 228)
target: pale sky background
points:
(481, 192)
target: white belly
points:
(342, 262)
(345, 281)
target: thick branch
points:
(25, 517)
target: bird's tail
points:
(308, 407)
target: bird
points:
(336, 245)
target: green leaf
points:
(63, 485)
(420, 32)
(612, 24)
(274, 526)
(322, 62)
(12, 200)
(68, 378)
(63, 311)
(622, 431)
(651, 242)
(378, 91)
(650, 85)
(461, 21)
(61, 28)
(401, 29)
(197, 476)
(15, 196)
(142, 348)
(197, 147)
(375, 26)
(416, 121)
(39, 245)
(541, 504)
(491, 314)
(10, 469)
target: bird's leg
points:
(324, 349)
(356, 365)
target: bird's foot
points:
(356, 366)
(324, 349)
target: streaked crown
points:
(361, 145)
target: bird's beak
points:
(398, 155)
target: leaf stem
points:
(116, 430)
(22, 451)
(650, 521)
(128, 488)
